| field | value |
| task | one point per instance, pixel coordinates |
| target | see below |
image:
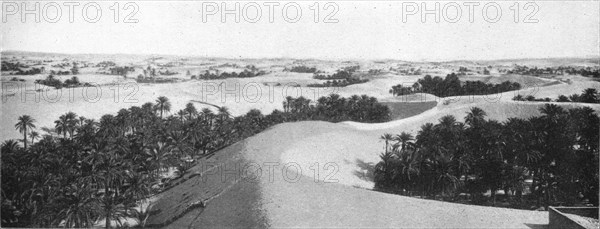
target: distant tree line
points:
(334, 108)
(17, 67)
(341, 78)
(121, 70)
(340, 74)
(105, 64)
(224, 75)
(302, 69)
(589, 95)
(339, 83)
(10, 66)
(59, 73)
(583, 71)
(452, 86)
(558, 151)
(51, 81)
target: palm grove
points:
(558, 151)
(86, 171)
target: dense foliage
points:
(558, 151)
(121, 70)
(85, 170)
(10, 66)
(58, 84)
(339, 75)
(302, 69)
(341, 78)
(244, 74)
(589, 95)
(452, 86)
(18, 68)
(339, 83)
(334, 108)
(583, 71)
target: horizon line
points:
(317, 58)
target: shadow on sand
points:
(366, 171)
(536, 226)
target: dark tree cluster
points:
(56, 83)
(141, 79)
(341, 78)
(587, 72)
(31, 71)
(17, 79)
(62, 65)
(105, 64)
(374, 71)
(245, 74)
(352, 68)
(409, 71)
(557, 152)
(339, 83)
(535, 71)
(452, 86)
(10, 66)
(121, 70)
(583, 71)
(302, 69)
(167, 73)
(589, 95)
(334, 108)
(59, 73)
(339, 75)
(75, 68)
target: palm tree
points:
(10, 146)
(62, 125)
(80, 207)
(552, 111)
(25, 121)
(383, 171)
(475, 116)
(403, 138)
(71, 122)
(208, 115)
(387, 138)
(138, 188)
(163, 104)
(158, 153)
(223, 113)
(181, 114)
(34, 135)
(287, 104)
(190, 110)
(590, 95)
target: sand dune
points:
(278, 200)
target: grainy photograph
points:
(300, 114)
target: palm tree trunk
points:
(386, 146)
(106, 208)
(25, 139)
(107, 222)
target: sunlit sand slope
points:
(283, 199)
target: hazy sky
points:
(369, 30)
